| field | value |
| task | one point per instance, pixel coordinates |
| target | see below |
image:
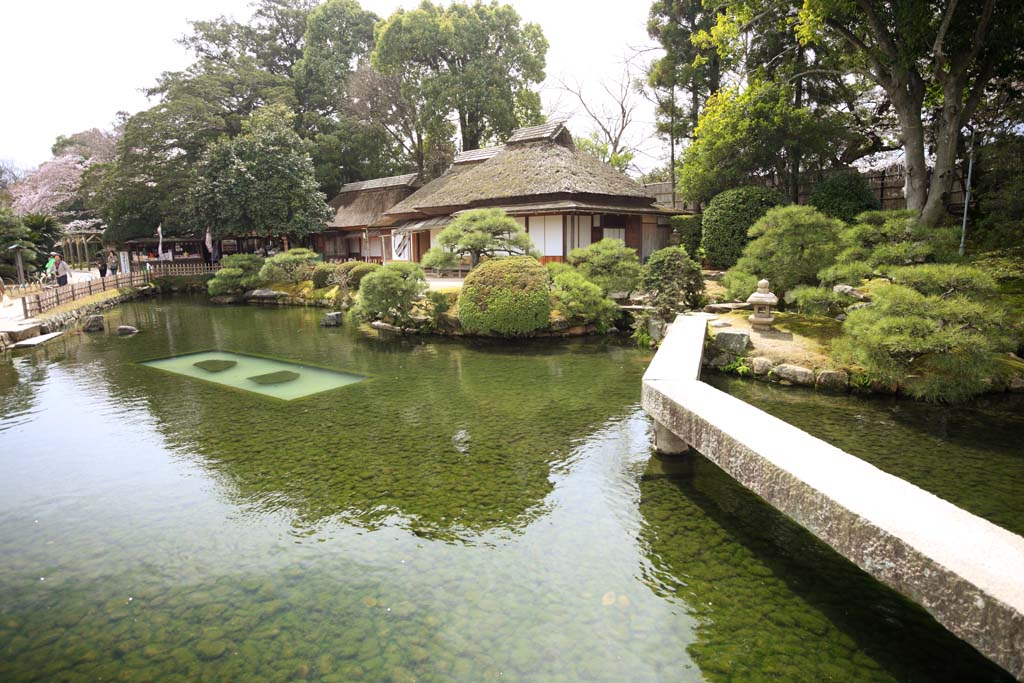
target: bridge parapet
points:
(967, 572)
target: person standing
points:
(112, 262)
(49, 263)
(61, 270)
(101, 264)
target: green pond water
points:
(971, 454)
(468, 512)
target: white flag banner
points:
(160, 241)
(209, 242)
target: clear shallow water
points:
(472, 513)
(971, 454)
(266, 376)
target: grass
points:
(820, 329)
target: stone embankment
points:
(967, 572)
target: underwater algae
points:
(468, 512)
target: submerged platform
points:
(967, 572)
(267, 376)
(36, 341)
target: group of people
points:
(106, 264)
(57, 267)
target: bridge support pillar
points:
(667, 443)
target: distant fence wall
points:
(48, 297)
(886, 184)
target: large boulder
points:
(760, 365)
(224, 299)
(833, 380)
(851, 292)
(264, 295)
(332, 319)
(793, 374)
(735, 342)
(94, 323)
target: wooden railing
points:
(51, 297)
(167, 269)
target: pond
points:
(465, 511)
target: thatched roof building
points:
(561, 195)
(357, 206)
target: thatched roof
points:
(475, 155)
(360, 204)
(407, 180)
(538, 164)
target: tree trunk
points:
(947, 138)
(912, 133)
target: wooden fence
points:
(886, 184)
(51, 296)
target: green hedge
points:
(688, 228)
(359, 271)
(583, 302)
(389, 293)
(506, 296)
(728, 218)
(844, 196)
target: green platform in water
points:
(267, 376)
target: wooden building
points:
(563, 197)
(351, 234)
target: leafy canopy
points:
(476, 62)
(673, 281)
(259, 182)
(609, 264)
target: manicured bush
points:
(688, 230)
(238, 273)
(844, 196)
(294, 265)
(673, 281)
(937, 349)
(790, 245)
(879, 239)
(727, 219)
(358, 272)
(389, 293)
(609, 264)
(323, 275)
(583, 302)
(943, 279)
(739, 284)
(817, 300)
(506, 296)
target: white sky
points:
(70, 65)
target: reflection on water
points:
(473, 512)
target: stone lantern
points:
(762, 300)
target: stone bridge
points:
(967, 572)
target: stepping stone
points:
(36, 341)
(275, 377)
(215, 365)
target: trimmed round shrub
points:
(323, 274)
(727, 219)
(359, 271)
(238, 273)
(673, 280)
(609, 264)
(581, 301)
(844, 196)
(293, 265)
(506, 296)
(389, 293)
(688, 229)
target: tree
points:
(13, 231)
(609, 264)
(390, 293)
(744, 134)
(476, 62)
(672, 280)
(936, 57)
(608, 140)
(259, 182)
(478, 233)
